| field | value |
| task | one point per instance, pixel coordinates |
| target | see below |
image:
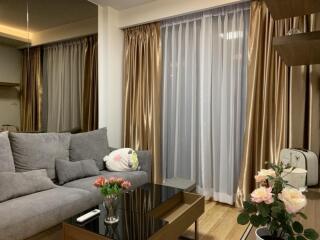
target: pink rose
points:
(293, 199)
(262, 194)
(120, 180)
(100, 181)
(126, 185)
(263, 175)
(112, 180)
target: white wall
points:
(64, 32)
(110, 40)
(10, 71)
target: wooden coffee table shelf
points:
(180, 213)
(71, 232)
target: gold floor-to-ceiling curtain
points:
(90, 88)
(142, 89)
(282, 102)
(31, 90)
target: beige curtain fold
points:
(71, 73)
(90, 88)
(31, 90)
(142, 92)
(282, 102)
(64, 75)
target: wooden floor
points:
(219, 222)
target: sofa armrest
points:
(145, 159)
(112, 149)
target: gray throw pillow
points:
(6, 158)
(68, 171)
(13, 185)
(33, 151)
(90, 145)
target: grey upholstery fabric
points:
(137, 179)
(67, 171)
(86, 184)
(13, 185)
(90, 145)
(6, 158)
(144, 158)
(26, 216)
(39, 151)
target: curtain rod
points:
(186, 14)
(61, 41)
(226, 9)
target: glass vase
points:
(111, 203)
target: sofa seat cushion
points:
(39, 151)
(26, 216)
(137, 178)
(13, 185)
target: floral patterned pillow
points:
(122, 160)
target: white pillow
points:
(123, 159)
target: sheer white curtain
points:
(204, 98)
(64, 74)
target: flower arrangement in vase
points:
(111, 189)
(274, 205)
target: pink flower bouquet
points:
(275, 204)
(112, 186)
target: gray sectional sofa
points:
(39, 215)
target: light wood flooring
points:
(219, 222)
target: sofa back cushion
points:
(90, 145)
(39, 151)
(13, 185)
(6, 158)
(68, 171)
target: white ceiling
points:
(121, 4)
(45, 14)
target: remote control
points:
(88, 215)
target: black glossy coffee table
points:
(149, 212)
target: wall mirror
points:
(48, 56)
